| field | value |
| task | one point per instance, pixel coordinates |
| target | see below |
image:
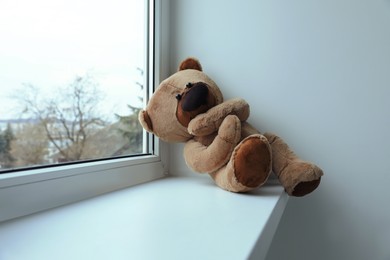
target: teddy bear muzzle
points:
(195, 96)
(196, 99)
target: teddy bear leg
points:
(298, 177)
(249, 166)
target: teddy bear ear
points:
(145, 121)
(190, 63)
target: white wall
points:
(318, 74)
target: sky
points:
(48, 43)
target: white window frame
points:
(30, 191)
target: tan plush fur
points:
(188, 107)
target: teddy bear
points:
(189, 107)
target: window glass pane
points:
(72, 80)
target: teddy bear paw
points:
(252, 161)
(300, 178)
(230, 129)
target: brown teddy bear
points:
(189, 107)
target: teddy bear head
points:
(179, 99)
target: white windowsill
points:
(170, 218)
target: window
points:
(78, 72)
(72, 82)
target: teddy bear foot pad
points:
(252, 161)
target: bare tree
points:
(68, 117)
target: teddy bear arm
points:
(210, 121)
(208, 158)
(201, 159)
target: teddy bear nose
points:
(195, 97)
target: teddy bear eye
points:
(178, 96)
(189, 85)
